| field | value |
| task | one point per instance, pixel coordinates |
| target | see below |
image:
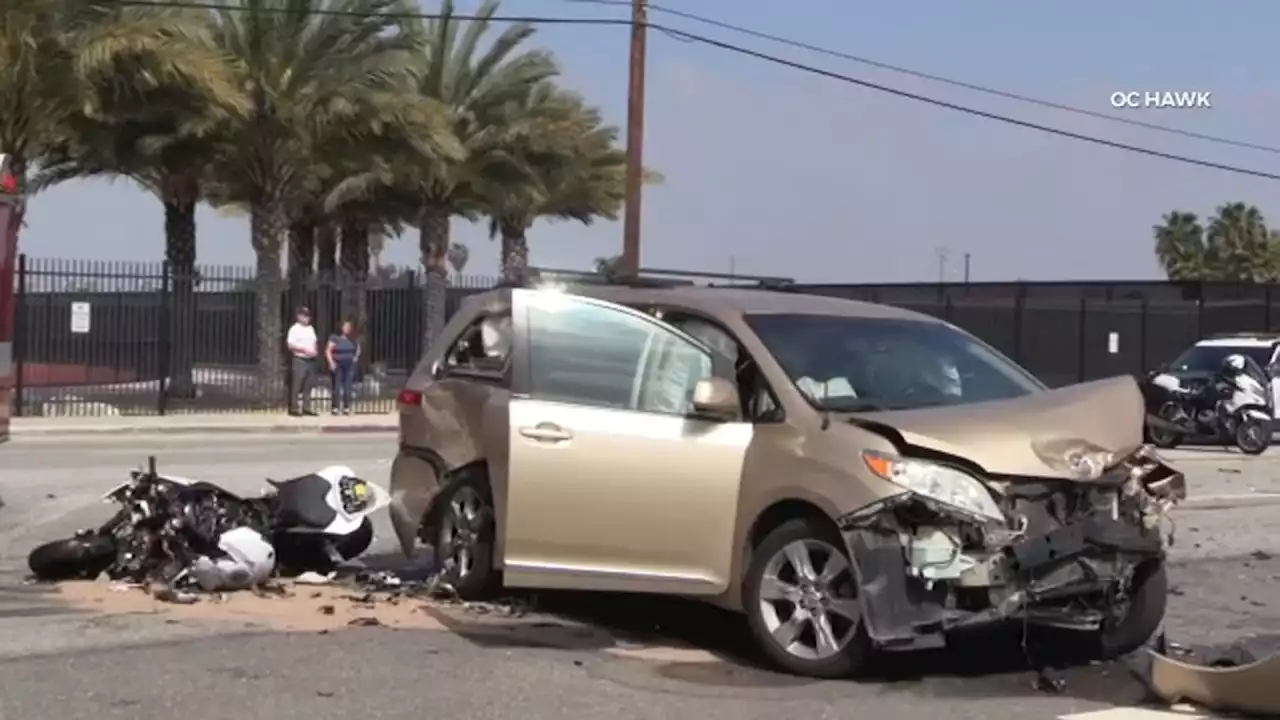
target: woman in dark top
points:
(342, 352)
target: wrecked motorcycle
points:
(180, 532)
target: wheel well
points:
(781, 512)
(475, 469)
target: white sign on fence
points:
(80, 317)
(1113, 342)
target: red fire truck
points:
(10, 219)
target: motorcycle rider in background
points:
(1243, 381)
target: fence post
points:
(20, 335)
(1081, 339)
(1142, 337)
(166, 341)
(1266, 308)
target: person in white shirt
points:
(304, 347)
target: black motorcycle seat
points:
(302, 502)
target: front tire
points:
(1253, 435)
(464, 533)
(1148, 598)
(83, 557)
(801, 602)
(1166, 439)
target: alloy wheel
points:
(460, 530)
(807, 600)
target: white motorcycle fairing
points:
(1247, 392)
(348, 519)
(248, 561)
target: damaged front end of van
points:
(1067, 533)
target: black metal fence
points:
(101, 338)
(1068, 332)
(97, 338)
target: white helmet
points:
(1234, 362)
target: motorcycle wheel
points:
(76, 558)
(1163, 438)
(1253, 436)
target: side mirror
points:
(715, 399)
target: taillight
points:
(409, 397)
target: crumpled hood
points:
(998, 435)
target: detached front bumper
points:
(1065, 558)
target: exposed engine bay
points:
(1053, 552)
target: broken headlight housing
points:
(944, 484)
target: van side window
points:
(588, 353)
(484, 346)
(759, 404)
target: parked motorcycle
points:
(1235, 407)
(184, 532)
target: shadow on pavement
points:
(999, 662)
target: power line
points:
(527, 19)
(740, 50)
(995, 92)
(965, 109)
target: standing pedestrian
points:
(343, 352)
(303, 347)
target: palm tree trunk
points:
(180, 254)
(326, 272)
(515, 253)
(302, 258)
(433, 243)
(354, 257)
(267, 228)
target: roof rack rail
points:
(1259, 334)
(652, 278)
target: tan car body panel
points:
(652, 529)
(647, 503)
(998, 435)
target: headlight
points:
(942, 483)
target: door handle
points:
(546, 432)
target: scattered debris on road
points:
(1231, 679)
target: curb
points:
(282, 429)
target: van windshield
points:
(854, 364)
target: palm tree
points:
(607, 266)
(153, 126)
(476, 87)
(312, 78)
(1237, 237)
(1180, 247)
(571, 168)
(63, 60)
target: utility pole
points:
(966, 268)
(630, 261)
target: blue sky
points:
(769, 170)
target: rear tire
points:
(766, 623)
(1148, 599)
(76, 558)
(464, 532)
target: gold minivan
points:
(849, 476)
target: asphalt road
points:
(582, 656)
